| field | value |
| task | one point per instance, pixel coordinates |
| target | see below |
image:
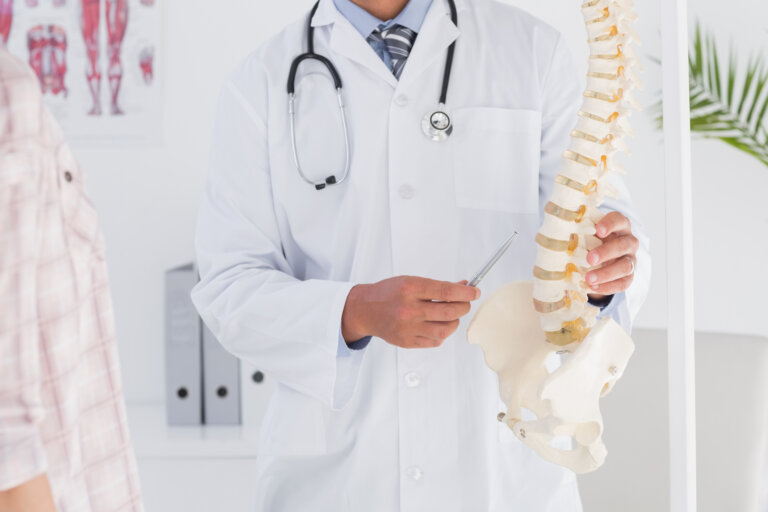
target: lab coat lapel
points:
(436, 34)
(347, 42)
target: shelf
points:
(154, 439)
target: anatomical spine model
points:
(525, 325)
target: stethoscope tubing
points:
(449, 56)
(332, 179)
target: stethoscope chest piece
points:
(437, 125)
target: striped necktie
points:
(398, 40)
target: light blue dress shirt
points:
(412, 17)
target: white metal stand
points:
(677, 148)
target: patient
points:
(64, 441)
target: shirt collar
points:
(412, 16)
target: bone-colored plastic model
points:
(524, 325)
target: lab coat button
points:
(414, 473)
(401, 100)
(406, 192)
(412, 379)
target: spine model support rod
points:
(677, 149)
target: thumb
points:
(477, 290)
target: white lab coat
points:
(385, 429)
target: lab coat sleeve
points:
(248, 295)
(561, 99)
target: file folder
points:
(183, 372)
(221, 383)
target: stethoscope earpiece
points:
(330, 180)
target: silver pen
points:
(491, 262)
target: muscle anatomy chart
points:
(47, 45)
(97, 62)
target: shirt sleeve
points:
(561, 98)
(345, 349)
(248, 295)
(22, 456)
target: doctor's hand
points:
(409, 312)
(616, 257)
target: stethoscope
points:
(437, 125)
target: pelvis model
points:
(524, 327)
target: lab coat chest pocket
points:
(496, 155)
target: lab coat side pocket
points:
(293, 426)
(496, 154)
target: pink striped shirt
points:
(61, 406)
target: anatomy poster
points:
(97, 62)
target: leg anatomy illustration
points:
(90, 13)
(6, 20)
(117, 22)
(524, 327)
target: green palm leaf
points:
(730, 106)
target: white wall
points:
(147, 196)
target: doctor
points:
(382, 405)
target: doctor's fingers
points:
(444, 291)
(422, 342)
(437, 332)
(613, 222)
(619, 269)
(444, 311)
(613, 247)
(614, 287)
